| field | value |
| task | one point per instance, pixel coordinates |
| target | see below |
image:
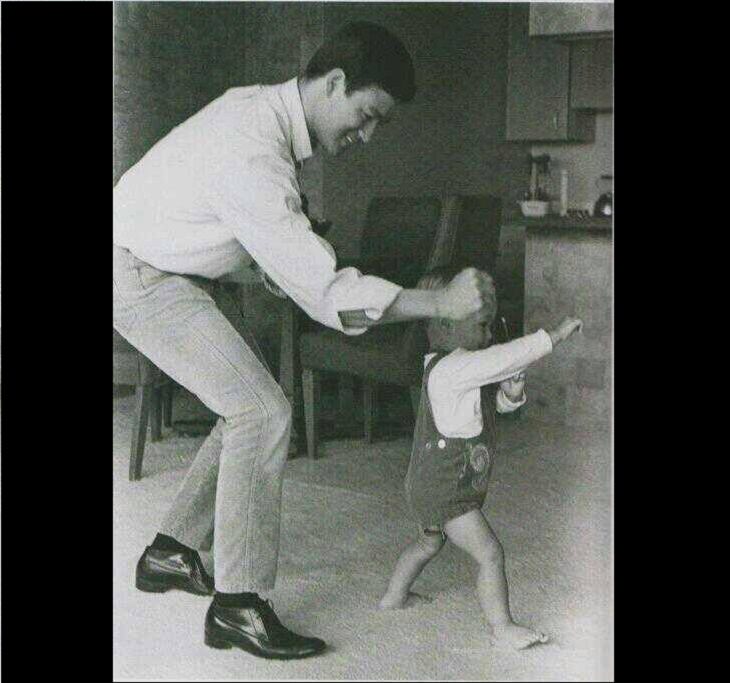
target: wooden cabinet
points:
(570, 18)
(591, 75)
(538, 88)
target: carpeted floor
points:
(342, 526)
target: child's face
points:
(474, 332)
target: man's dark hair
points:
(369, 55)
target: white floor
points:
(343, 522)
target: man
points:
(219, 191)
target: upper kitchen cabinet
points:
(571, 19)
(538, 88)
(591, 75)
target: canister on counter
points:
(563, 192)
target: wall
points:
(170, 59)
(585, 163)
(450, 138)
(281, 37)
(173, 58)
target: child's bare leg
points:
(409, 566)
(472, 533)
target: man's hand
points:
(268, 282)
(513, 387)
(273, 287)
(565, 329)
(465, 294)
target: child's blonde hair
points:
(437, 278)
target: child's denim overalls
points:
(448, 477)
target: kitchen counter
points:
(554, 222)
(568, 271)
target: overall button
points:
(442, 443)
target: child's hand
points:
(565, 329)
(513, 387)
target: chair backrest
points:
(399, 236)
(406, 236)
(469, 236)
(130, 366)
(476, 236)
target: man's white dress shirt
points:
(221, 189)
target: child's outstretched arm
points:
(511, 394)
(502, 361)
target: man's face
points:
(351, 119)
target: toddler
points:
(465, 380)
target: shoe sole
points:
(148, 586)
(151, 587)
(218, 643)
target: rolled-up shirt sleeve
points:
(260, 202)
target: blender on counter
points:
(536, 202)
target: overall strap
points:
(429, 366)
(488, 395)
(426, 409)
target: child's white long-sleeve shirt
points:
(454, 384)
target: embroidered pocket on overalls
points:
(477, 456)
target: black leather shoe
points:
(161, 570)
(256, 630)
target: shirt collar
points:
(301, 144)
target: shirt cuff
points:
(504, 405)
(365, 294)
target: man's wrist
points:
(555, 337)
(438, 303)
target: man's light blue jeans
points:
(232, 492)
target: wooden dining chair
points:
(153, 398)
(403, 237)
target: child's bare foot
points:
(389, 601)
(516, 637)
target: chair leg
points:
(368, 396)
(311, 391)
(167, 395)
(141, 413)
(346, 398)
(156, 414)
(415, 399)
